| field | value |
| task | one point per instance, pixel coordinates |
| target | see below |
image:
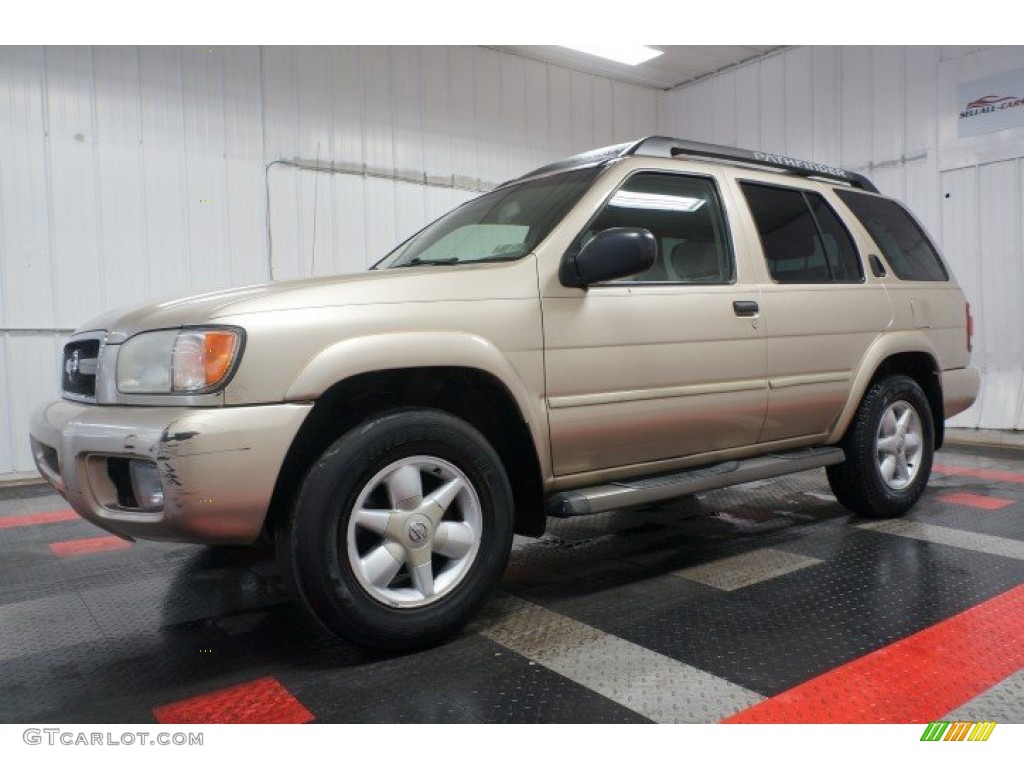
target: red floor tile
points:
(39, 518)
(984, 474)
(976, 501)
(261, 701)
(915, 680)
(88, 546)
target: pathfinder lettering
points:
(805, 165)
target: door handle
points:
(745, 308)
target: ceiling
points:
(679, 64)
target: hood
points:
(389, 286)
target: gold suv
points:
(627, 325)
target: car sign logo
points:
(72, 365)
(418, 531)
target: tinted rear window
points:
(802, 238)
(840, 251)
(903, 243)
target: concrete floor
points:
(761, 603)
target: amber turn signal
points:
(203, 357)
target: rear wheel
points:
(400, 530)
(889, 449)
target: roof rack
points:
(663, 146)
(591, 157)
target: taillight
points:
(970, 329)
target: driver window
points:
(684, 215)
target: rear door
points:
(822, 310)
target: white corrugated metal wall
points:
(128, 173)
(879, 110)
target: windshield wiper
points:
(418, 262)
(499, 257)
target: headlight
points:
(187, 361)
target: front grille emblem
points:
(72, 366)
(80, 366)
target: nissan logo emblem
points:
(418, 531)
(71, 366)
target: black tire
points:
(858, 483)
(314, 544)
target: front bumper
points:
(218, 465)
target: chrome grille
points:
(78, 368)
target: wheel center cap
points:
(901, 443)
(418, 531)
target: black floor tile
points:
(108, 637)
(874, 590)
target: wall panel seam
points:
(51, 235)
(140, 156)
(8, 410)
(97, 181)
(184, 159)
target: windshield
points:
(502, 225)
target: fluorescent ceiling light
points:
(656, 202)
(624, 54)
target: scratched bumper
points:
(218, 465)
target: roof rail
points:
(591, 157)
(663, 146)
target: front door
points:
(669, 363)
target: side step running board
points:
(628, 493)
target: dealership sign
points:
(994, 103)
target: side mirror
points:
(610, 255)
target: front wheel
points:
(889, 449)
(400, 530)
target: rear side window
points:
(903, 243)
(803, 239)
